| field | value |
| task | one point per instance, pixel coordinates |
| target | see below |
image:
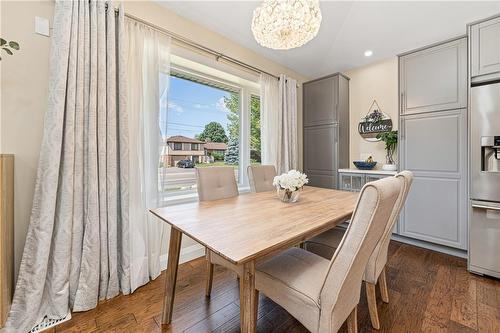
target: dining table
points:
(248, 229)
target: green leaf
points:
(14, 45)
(9, 52)
(2, 42)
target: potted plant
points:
(390, 139)
(288, 185)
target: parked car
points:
(185, 164)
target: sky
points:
(191, 106)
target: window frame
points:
(176, 145)
(245, 92)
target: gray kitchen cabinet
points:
(321, 101)
(434, 147)
(434, 78)
(485, 50)
(326, 129)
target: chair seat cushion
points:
(325, 243)
(294, 279)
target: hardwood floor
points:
(429, 292)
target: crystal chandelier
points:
(286, 24)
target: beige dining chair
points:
(261, 177)
(326, 243)
(214, 183)
(322, 294)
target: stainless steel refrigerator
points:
(484, 212)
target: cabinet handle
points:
(486, 207)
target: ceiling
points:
(347, 30)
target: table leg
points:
(248, 299)
(174, 250)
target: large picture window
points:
(201, 121)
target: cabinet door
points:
(434, 148)
(351, 181)
(434, 79)
(485, 50)
(321, 101)
(320, 151)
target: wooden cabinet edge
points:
(6, 234)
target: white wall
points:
(24, 84)
(377, 81)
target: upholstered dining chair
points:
(261, 177)
(322, 294)
(326, 243)
(215, 183)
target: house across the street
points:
(215, 147)
(181, 147)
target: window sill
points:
(192, 197)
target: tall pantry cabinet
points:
(326, 129)
(433, 142)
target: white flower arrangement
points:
(291, 181)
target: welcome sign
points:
(373, 123)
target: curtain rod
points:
(191, 43)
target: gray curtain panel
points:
(77, 246)
(288, 157)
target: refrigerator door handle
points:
(485, 207)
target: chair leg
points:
(372, 304)
(382, 282)
(210, 275)
(352, 321)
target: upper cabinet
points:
(485, 50)
(321, 101)
(434, 78)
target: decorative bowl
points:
(362, 165)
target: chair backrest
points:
(215, 183)
(378, 258)
(261, 177)
(342, 285)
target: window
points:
(208, 115)
(255, 152)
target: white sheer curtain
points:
(269, 94)
(279, 122)
(148, 56)
(77, 248)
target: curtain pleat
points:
(287, 125)
(279, 122)
(77, 247)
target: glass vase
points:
(287, 195)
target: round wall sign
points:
(373, 123)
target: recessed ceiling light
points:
(368, 53)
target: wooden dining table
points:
(247, 229)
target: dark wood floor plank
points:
(428, 292)
(464, 305)
(438, 312)
(488, 318)
(215, 320)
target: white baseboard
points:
(431, 246)
(187, 254)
